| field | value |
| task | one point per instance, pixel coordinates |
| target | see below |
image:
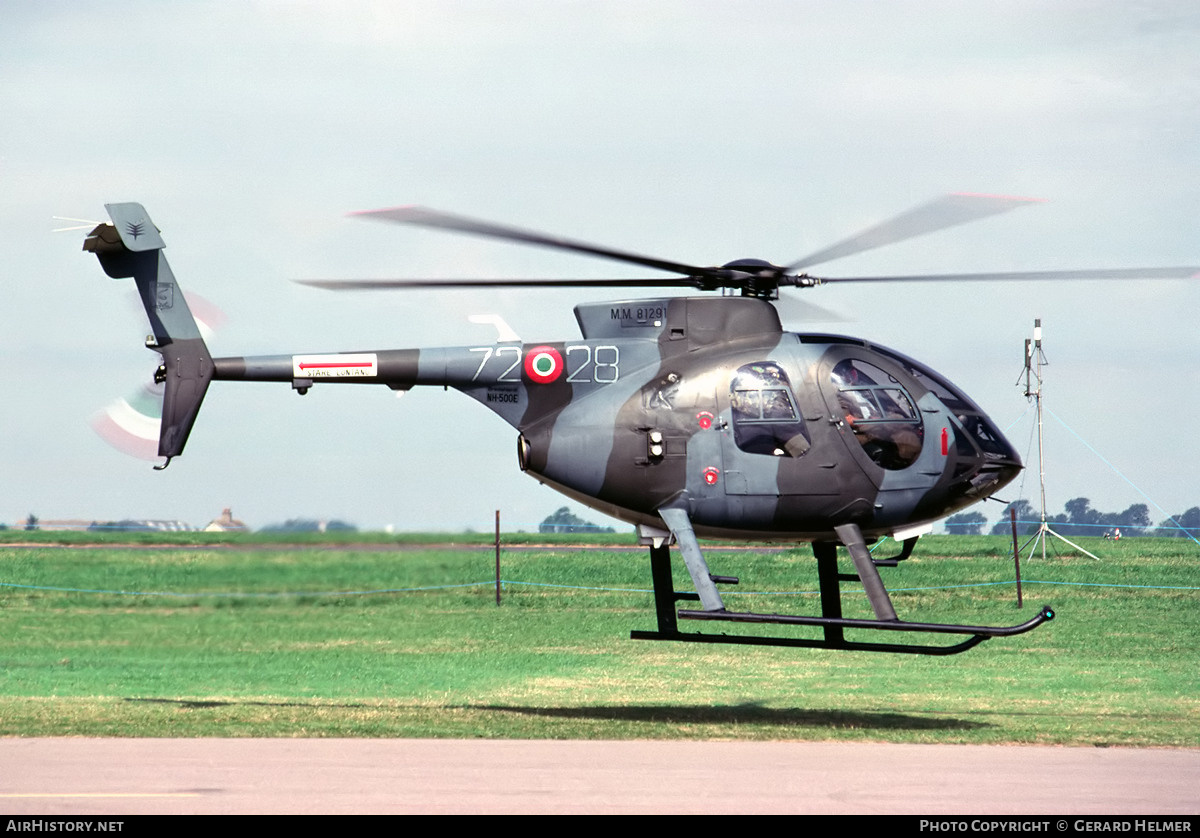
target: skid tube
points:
(833, 624)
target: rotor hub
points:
(754, 277)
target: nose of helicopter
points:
(1007, 472)
(994, 462)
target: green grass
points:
(253, 640)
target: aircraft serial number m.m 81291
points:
(640, 315)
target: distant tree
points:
(1028, 519)
(1078, 518)
(1134, 521)
(966, 523)
(1078, 510)
(562, 520)
(310, 525)
(1137, 515)
(1184, 525)
(31, 523)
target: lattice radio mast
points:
(1035, 359)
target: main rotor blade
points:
(386, 284)
(938, 214)
(792, 309)
(424, 217)
(1182, 272)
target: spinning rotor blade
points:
(794, 310)
(423, 217)
(80, 224)
(132, 424)
(386, 284)
(753, 277)
(1182, 272)
(938, 214)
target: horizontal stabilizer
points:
(135, 228)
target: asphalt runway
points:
(411, 776)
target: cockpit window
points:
(881, 413)
(765, 419)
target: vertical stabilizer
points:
(131, 247)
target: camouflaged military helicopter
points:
(685, 416)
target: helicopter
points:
(688, 417)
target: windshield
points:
(974, 421)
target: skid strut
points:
(831, 621)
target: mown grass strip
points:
(238, 659)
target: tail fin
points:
(132, 247)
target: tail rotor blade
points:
(132, 424)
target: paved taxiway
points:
(142, 776)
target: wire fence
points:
(1121, 529)
(510, 585)
(1103, 524)
(1025, 526)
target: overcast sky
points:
(695, 131)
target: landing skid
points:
(832, 622)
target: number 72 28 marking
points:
(585, 364)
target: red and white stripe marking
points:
(344, 365)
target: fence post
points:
(497, 557)
(1012, 513)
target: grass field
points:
(188, 636)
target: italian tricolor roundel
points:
(543, 364)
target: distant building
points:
(35, 523)
(146, 525)
(226, 523)
(125, 525)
